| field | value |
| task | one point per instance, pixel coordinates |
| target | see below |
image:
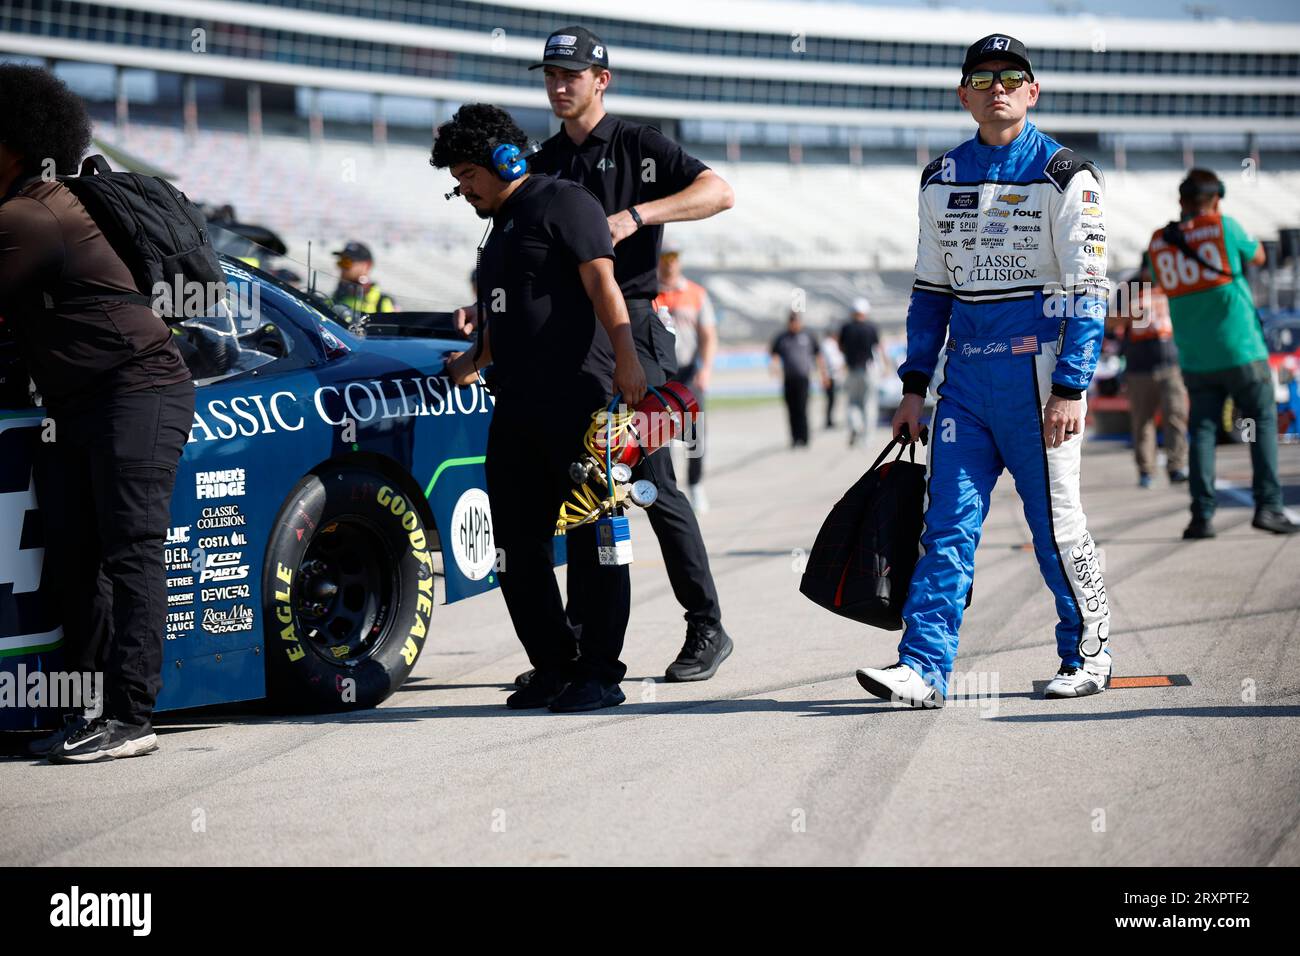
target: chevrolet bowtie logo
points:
(1012, 198)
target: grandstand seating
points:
(786, 217)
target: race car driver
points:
(1005, 324)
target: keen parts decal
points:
(360, 402)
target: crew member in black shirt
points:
(546, 277)
(643, 180)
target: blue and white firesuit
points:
(1008, 305)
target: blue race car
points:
(330, 479)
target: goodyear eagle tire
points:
(347, 593)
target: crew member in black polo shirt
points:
(643, 179)
(547, 276)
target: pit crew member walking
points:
(1007, 218)
(548, 271)
(643, 180)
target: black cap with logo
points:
(573, 48)
(356, 251)
(996, 46)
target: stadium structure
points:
(314, 118)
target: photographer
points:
(547, 276)
(121, 400)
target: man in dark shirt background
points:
(796, 350)
(122, 403)
(643, 180)
(858, 339)
(547, 277)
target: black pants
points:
(105, 487)
(831, 391)
(531, 443)
(671, 516)
(796, 404)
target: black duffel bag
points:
(862, 562)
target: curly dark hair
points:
(40, 118)
(472, 133)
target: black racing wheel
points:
(347, 592)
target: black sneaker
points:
(1274, 521)
(1199, 528)
(706, 647)
(589, 694)
(523, 679)
(105, 739)
(71, 725)
(542, 688)
(1177, 477)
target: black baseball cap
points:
(573, 48)
(356, 251)
(996, 46)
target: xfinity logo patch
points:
(73, 909)
(963, 200)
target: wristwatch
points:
(636, 218)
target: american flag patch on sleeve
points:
(1024, 344)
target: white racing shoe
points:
(899, 684)
(1070, 681)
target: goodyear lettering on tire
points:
(398, 507)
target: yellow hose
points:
(589, 503)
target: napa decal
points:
(472, 544)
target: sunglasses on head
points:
(1011, 79)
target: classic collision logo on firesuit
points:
(361, 402)
(989, 268)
